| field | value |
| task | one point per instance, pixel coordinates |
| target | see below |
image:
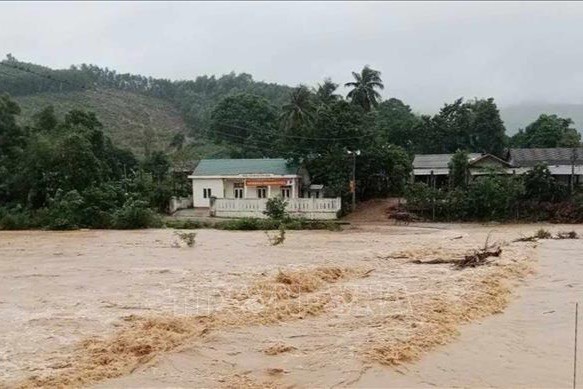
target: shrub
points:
(567, 235)
(275, 209)
(189, 238)
(543, 234)
(64, 212)
(15, 219)
(540, 185)
(248, 224)
(135, 214)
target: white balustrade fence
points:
(312, 208)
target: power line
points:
(293, 136)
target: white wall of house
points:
(198, 188)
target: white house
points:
(246, 179)
(241, 187)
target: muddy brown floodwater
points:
(344, 309)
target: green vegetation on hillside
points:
(131, 120)
(66, 173)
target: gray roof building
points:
(550, 156)
(438, 164)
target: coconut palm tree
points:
(325, 92)
(299, 110)
(363, 90)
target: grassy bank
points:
(253, 224)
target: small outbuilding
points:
(433, 169)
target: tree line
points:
(65, 173)
(57, 164)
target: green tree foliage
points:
(67, 174)
(158, 165)
(473, 125)
(459, 169)
(45, 120)
(325, 93)
(195, 99)
(275, 209)
(247, 122)
(364, 88)
(547, 131)
(299, 110)
(490, 197)
(540, 185)
(178, 141)
(395, 123)
(487, 132)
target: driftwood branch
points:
(477, 258)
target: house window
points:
(206, 193)
(238, 190)
(261, 192)
(285, 192)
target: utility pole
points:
(573, 160)
(353, 180)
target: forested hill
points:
(132, 107)
(130, 119)
(143, 112)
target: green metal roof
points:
(231, 167)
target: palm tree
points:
(325, 92)
(363, 90)
(299, 110)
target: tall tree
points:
(459, 169)
(247, 123)
(326, 92)
(487, 131)
(299, 110)
(177, 141)
(45, 120)
(473, 125)
(395, 123)
(548, 131)
(364, 87)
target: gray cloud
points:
(429, 53)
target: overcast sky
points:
(428, 53)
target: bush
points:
(275, 209)
(540, 185)
(543, 234)
(189, 238)
(64, 212)
(248, 224)
(135, 214)
(15, 220)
